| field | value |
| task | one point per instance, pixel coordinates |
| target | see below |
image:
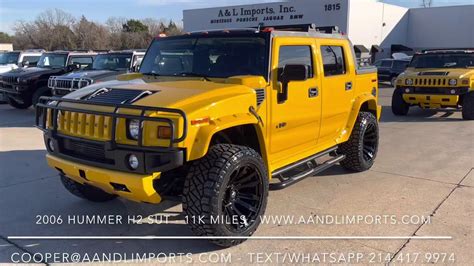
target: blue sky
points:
(99, 10)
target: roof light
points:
(161, 35)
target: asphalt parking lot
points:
(424, 168)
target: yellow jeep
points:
(216, 119)
(437, 79)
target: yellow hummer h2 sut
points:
(217, 119)
(437, 79)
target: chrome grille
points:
(68, 84)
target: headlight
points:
(133, 128)
(409, 82)
(17, 80)
(453, 82)
(133, 162)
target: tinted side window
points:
(333, 60)
(33, 60)
(84, 62)
(295, 55)
(400, 64)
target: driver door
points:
(294, 122)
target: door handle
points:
(349, 86)
(313, 92)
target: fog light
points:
(50, 145)
(407, 90)
(453, 91)
(17, 88)
(133, 161)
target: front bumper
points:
(433, 97)
(130, 186)
(103, 155)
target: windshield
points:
(449, 60)
(52, 60)
(207, 56)
(112, 62)
(9, 58)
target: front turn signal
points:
(164, 132)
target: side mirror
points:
(25, 63)
(288, 74)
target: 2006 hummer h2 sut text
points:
(217, 118)
(437, 79)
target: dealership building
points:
(370, 24)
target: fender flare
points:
(204, 135)
(359, 102)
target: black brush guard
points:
(53, 104)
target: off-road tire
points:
(468, 106)
(86, 192)
(17, 105)
(399, 106)
(353, 149)
(205, 189)
(43, 91)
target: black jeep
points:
(24, 86)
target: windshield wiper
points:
(191, 74)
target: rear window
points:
(333, 60)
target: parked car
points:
(104, 68)
(389, 69)
(15, 59)
(24, 86)
(217, 119)
(441, 78)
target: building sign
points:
(323, 13)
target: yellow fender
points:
(358, 102)
(205, 133)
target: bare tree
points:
(91, 35)
(427, 3)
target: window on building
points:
(295, 55)
(333, 60)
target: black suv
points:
(389, 69)
(24, 86)
(105, 67)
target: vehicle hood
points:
(92, 74)
(455, 73)
(188, 95)
(7, 67)
(31, 71)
